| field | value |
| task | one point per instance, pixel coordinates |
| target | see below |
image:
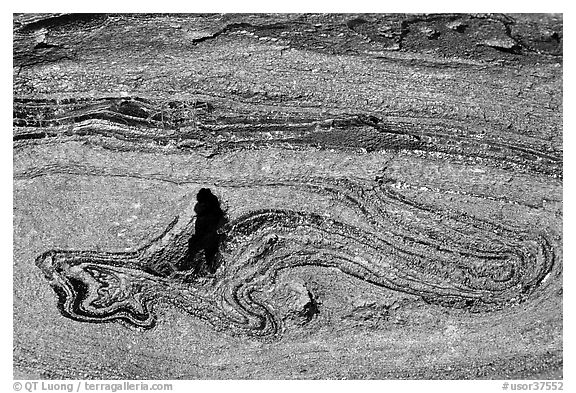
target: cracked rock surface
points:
(392, 187)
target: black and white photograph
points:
(287, 196)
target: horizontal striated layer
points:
(185, 125)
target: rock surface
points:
(392, 184)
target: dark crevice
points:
(45, 45)
(311, 308)
(32, 135)
(225, 29)
(202, 256)
(60, 20)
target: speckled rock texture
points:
(391, 184)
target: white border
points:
(293, 6)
